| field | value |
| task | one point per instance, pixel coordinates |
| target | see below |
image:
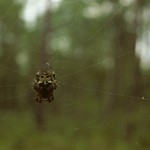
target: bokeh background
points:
(99, 50)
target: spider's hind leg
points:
(38, 100)
(52, 97)
(49, 100)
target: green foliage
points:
(102, 96)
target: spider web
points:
(83, 129)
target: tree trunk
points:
(125, 80)
(39, 112)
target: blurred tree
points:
(11, 27)
(83, 34)
(43, 55)
(126, 78)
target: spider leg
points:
(52, 97)
(37, 99)
(40, 101)
(49, 100)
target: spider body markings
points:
(44, 84)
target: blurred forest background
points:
(99, 51)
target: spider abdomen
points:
(44, 85)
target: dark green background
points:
(102, 100)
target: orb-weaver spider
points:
(44, 84)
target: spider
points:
(44, 84)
